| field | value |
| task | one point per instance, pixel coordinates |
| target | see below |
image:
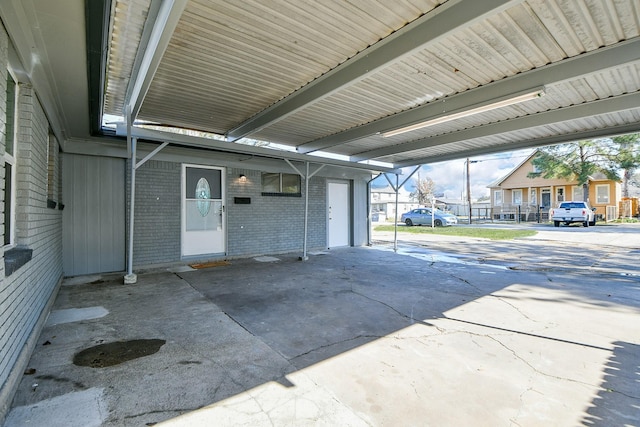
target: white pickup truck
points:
(568, 212)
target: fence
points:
(535, 213)
(520, 213)
(629, 207)
(507, 213)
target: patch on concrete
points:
(267, 259)
(180, 269)
(57, 317)
(110, 354)
(85, 408)
(318, 253)
(209, 264)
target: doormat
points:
(210, 264)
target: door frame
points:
(183, 217)
(543, 191)
(349, 208)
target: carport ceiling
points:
(337, 75)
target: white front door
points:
(203, 210)
(338, 214)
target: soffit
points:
(126, 30)
(229, 61)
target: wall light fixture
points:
(242, 178)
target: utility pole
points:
(469, 185)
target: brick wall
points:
(273, 224)
(25, 295)
(270, 224)
(157, 213)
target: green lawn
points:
(485, 233)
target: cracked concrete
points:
(354, 337)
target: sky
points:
(450, 176)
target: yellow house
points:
(515, 196)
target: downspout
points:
(369, 213)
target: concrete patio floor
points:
(351, 337)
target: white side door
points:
(203, 211)
(338, 214)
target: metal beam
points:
(580, 111)
(150, 53)
(151, 154)
(97, 35)
(212, 144)
(427, 29)
(529, 143)
(587, 63)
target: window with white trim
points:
(536, 168)
(11, 118)
(602, 194)
(516, 197)
(577, 193)
(560, 194)
(534, 196)
(497, 198)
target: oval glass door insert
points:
(203, 194)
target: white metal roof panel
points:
(468, 59)
(241, 57)
(505, 142)
(126, 32)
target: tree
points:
(577, 161)
(424, 190)
(627, 155)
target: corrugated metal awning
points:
(336, 76)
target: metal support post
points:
(396, 188)
(395, 228)
(307, 176)
(131, 278)
(468, 190)
(306, 213)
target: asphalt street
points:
(607, 249)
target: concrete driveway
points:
(446, 333)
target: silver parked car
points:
(422, 216)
